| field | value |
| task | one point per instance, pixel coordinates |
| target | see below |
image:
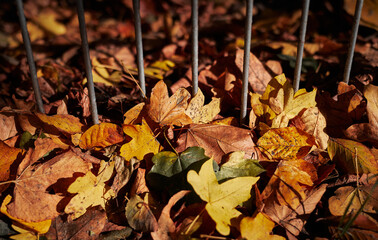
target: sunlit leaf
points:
(258, 228)
(101, 135)
(221, 198)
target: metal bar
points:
(139, 45)
(301, 41)
(352, 42)
(194, 46)
(29, 55)
(247, 49)
(87, 61)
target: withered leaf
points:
(101, 135)
(167, 110)
(32, 200)
(218, 140)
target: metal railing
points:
(139, 44)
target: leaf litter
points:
(175, 165)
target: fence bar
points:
(139, 45)
(247, 49)
(301, 41)
(29, 55)
(87, 61)
(194, 46)
(352, 42)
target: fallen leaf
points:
(348, 155)
(38, 227)
(290, 182)
(47, 20)
(286, 143)
(31, 200)
(91, 191)
(370, 93)
(133, 114)
(7, 126)
(139, 215)
(221, 198)
(294, 219)
(363, 132)
(237, 166)
(101, 135)
(279, 103)
(218, 140)
(314, 124)
(101, 75)
(7, 156)
(169, 170)
(258, 76)
(165, 223)
(167, 110)
(349, 199)
(61, 122)
(143, 142)
(258, 228)
(89, 226)
(200, 113)
(123, 169)
(24, 234)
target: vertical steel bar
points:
(247, 49)
(352, 42)
(87, 61)
(29, 55)
(301, 41)
(139, 45)
(194, 46)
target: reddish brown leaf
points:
(32, 200)
(7, 126)
(218, 140)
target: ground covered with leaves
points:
(165, 164)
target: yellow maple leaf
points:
(38, 227)
(100, 74)
(143, 141)
(91, 190)
(279, 104)
(167, 110)
(200, 113)
(61, 122)
(221, 198)
(24, 234)
(258, 228)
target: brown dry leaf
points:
(61, 122)
(363, 132)
(7, 125)
(314, 124)
(285, 143)
(218, 140)
(294, 219)
(32, 200)
(139, 214)
(258, 76)
(167, 110)
(165, 223)
(7, 156)
(200, 113)
(28, 122)
(39, 227)
(87, 227)
(369, 13)
(101, 135)
(350, 198)
(371, 94)
(42, 147)
(290, 182)
(258, 228)
(291, 49)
